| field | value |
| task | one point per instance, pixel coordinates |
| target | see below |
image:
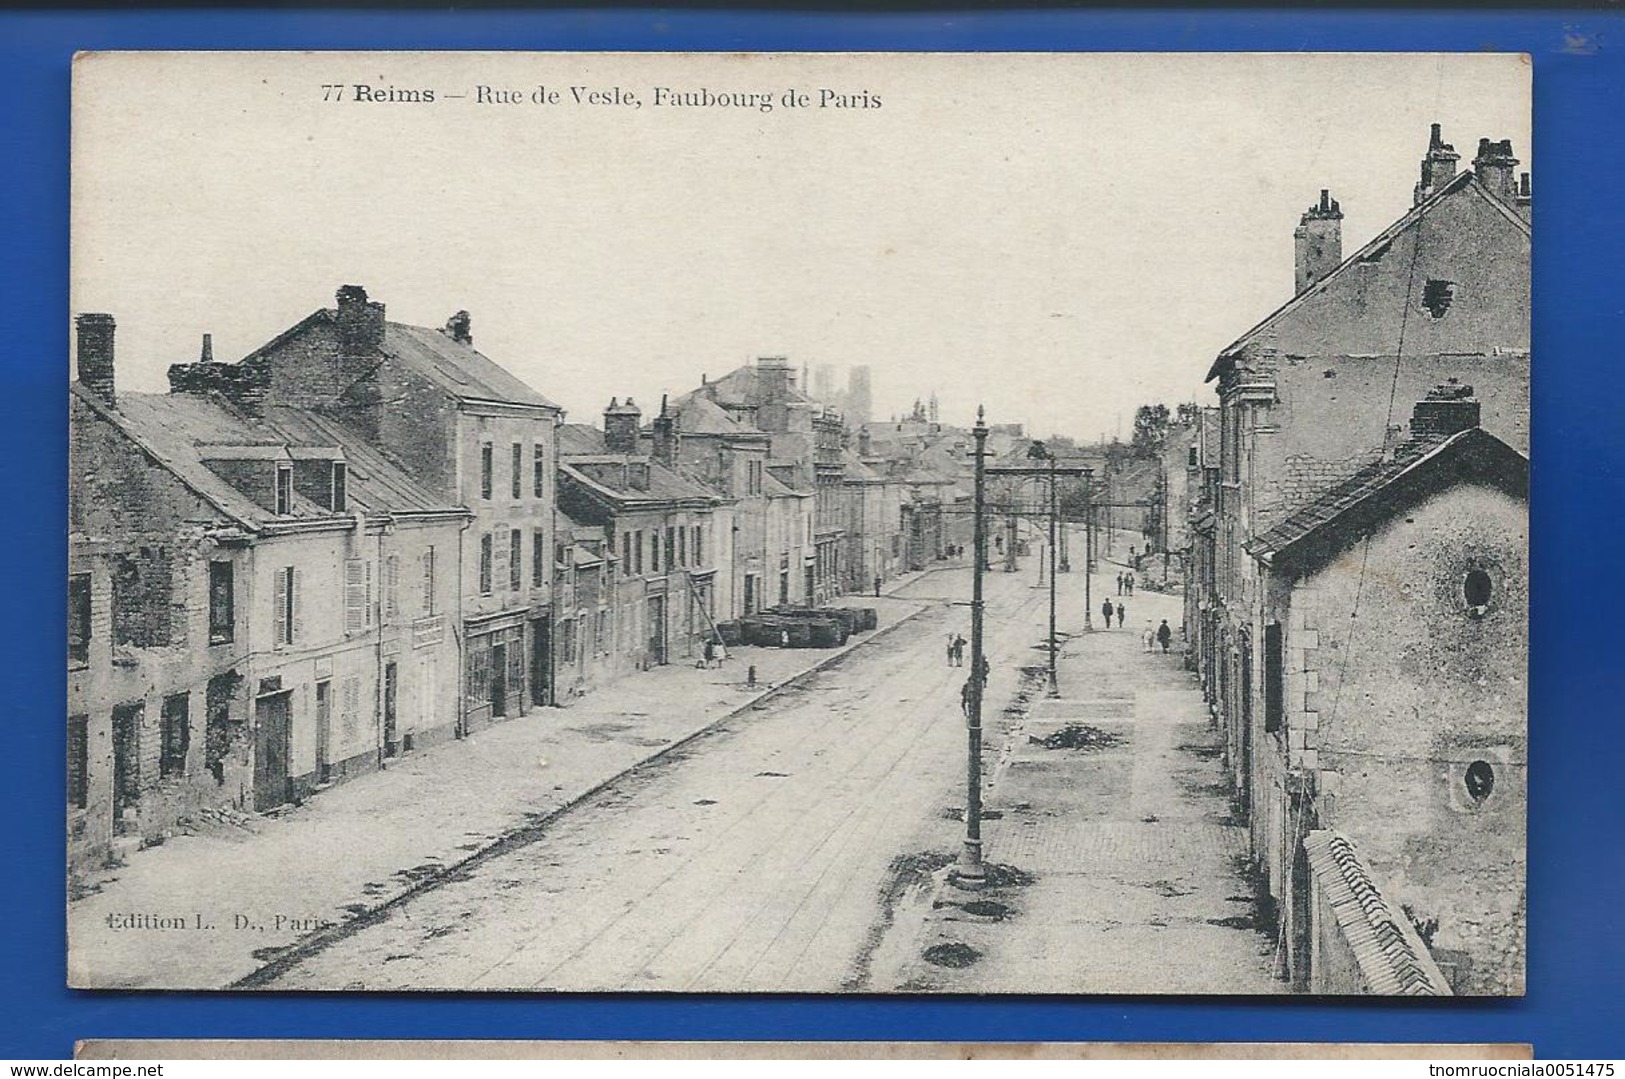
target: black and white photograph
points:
(889, 523)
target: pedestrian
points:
(951, 638)
(1121, 621)
(710, 652)
(1119, 584)
(987, 669)
(1128, 583)
(877, 584)
(959, 651)
(1148, 639)
(784, 638)
(965, 698)
(1164, 635)
(1107, 609)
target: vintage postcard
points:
(905, 523)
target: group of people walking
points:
(1107, 610)
(1125, 584)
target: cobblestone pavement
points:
(1117, 865)
(755, 858)
(277, 881)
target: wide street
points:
(802, 846)
(753, 858)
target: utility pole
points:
(970, 872)
(1054, 686)
(1088, 550)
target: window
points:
(78, 761)
(285, 600)
(79, 620)
(485, 470)
(654, 551)
(426, 572)
(567, 640)
(341, 486)
(357, 595)
(516, 559)
(538, 558)
(1437, 297)
(602, 635)
(1477, 589)
(485, 564)
(284, 490)
(222, 619)
(626, 552)
(538, 464)
(753, 477)
(1274, 678)
(637, 548)
(697, 551)
(392, 586)
(175, 736)
(518, 470)
(674, 557)
(142, 598)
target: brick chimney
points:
(1494, 166)
(360, 321)
(1438, 167)
(774, 377)
(667, 440)
(1317, 242)
(206, 351)
(1448, 409)
(95, 354)
(460, 328)
(621, 426)
(865, 443)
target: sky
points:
(1058, 237)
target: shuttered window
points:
(286, 601)
(539, 471)
(518, 470)
(355, 595)
(485, 471)
(485, 564)
(516, 558)
(392, 587)
(538, 558)
(426, 573)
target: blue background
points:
(1576, 943)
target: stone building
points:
(254, 610)
(466, 430)
(1315, 393)
(1393, 666)
(664, 538)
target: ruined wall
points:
(1413, 717)
(125, 510)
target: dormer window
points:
(284, 490)
(341, 485)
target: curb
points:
(322, 939)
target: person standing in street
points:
(1164, 635)
(1122, 621)
(1106, 612)
(877, 584)
(959, 651)
(1128, 583)
(1119, 584)
(951, 638)
(1148, 639)
(987, 669)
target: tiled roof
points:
(607, 473)
(699, 415)
(375, 483)
(1463, 180)
(1392, 958)
(1348, 510)
(580, 438)
(459, 369)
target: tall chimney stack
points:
(1494, 166)
(1438, 167)
(1317, 242)
(95, 354)
(206, 353)
(621, 426)
(666, 436)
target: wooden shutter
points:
(280, 602)
(1274, 678)
(354, 595)
(392, 586)
(296, 614)
(428, 581)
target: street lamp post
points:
(1054, 685)
(1088, 550)
(971, 872)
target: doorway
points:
(272, 726)
(499, 680)
(541, 666)
(391, 696)
(126, 760)
(324, 731)
(657, 629)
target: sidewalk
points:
(1115, 863)
(206, 911)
